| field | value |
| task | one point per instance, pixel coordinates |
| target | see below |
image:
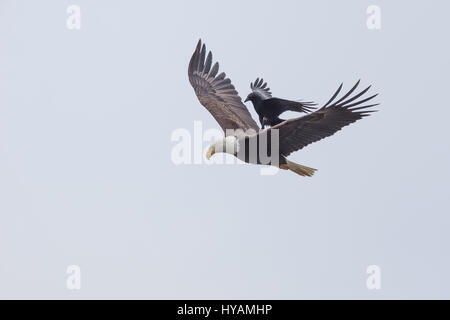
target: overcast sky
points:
(87, 178)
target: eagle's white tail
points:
(299, 169)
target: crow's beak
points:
(247, 99)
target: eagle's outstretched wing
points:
(294, 134)
(217, 93)
(260, 88)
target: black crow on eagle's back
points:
(269, 108)
(220, 98)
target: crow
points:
(269, 108)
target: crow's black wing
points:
(295, 134)
(277, 106)
(260, 88)
(217, 93)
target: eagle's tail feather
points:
(299, 169)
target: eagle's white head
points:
(228, 144)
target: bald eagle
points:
(271, 146)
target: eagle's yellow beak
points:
(210, 152)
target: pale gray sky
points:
(86, 176)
